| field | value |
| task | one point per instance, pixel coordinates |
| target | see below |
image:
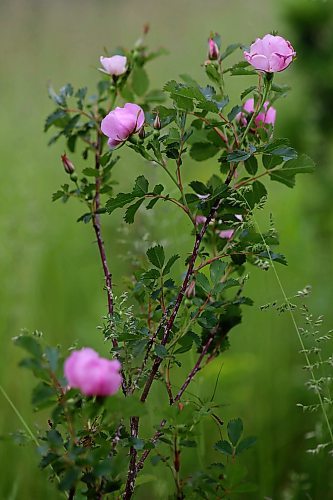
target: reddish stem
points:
(98, 232)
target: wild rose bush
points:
(97, 440)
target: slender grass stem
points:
(19, 415)
(294, 322)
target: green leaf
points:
(141, 186)
(145, 478)
(245, 444)
(238, 156)
(131, 211)
(277, 257)
(137, 443)
(213, 73)
(52, 356)
(58, 99)
(235, 430)
(42, 393)
(58, 119)
(202, 281)
(230, 49)
(119, 201)
(29, 344)
(248, 91)
(224, 447)
(186, 342)
(201, 151)
(255, 193)
(251, 165)
(140, 81)
(286, 174)
(280, 147)
(91, 172)
(199, 187)
(271, 161)
(156, 256)
(170, 263)
(217, 269)
(86, 218)
(152, 274)
(160, 351)
(234, 112)
(69, 479)
(241, 68)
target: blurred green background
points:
(49, 269)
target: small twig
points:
(216, 129)
(132, 469)
(196, 367)
(153, 441)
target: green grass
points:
(49, 269)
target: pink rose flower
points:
(115, 65)
(120, 123)
(266, 116)
(93, 375)
(270, 54)
(200, 219)
(226, 234)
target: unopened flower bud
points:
(213, 50)
(68, 165)
(142, 133)
(157, 123)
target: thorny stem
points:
(132, 469)
(61, 391)
(176, 464)
(179, 299)
(98, 232)
(71, 494)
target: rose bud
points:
(121, 123)
(213, 50)
(68, 165)
(93, 375)
(270, 54)
(157, 123)
(142, 133)
(266, 116)
(115, 65)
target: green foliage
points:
(91, 443)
